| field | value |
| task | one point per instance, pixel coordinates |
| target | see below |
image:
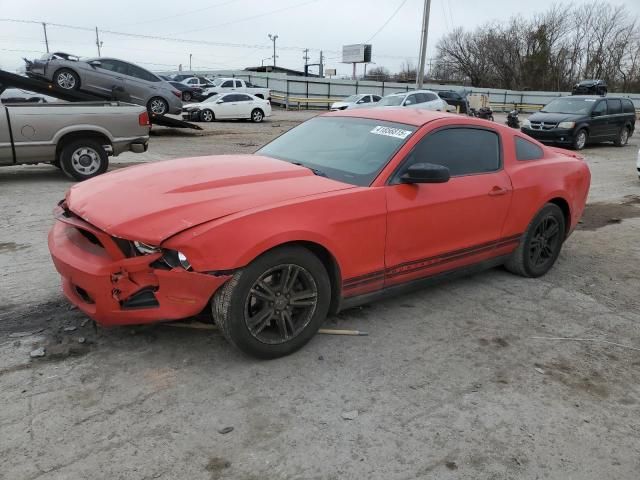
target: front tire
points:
(622, 138)
(580, 140)
(276, 304)
(540, 245)
(66, 79)
(158, 106)
(257, 115)
(83, 159)
(207, 116)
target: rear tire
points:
(276, 304)
(622, 138)
(540, 245)
(580, 140)
(83, 159)
(66, 79)
(257, 115)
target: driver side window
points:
(600, 108)
(464, 151)
(411, 100)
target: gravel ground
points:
(453, 381)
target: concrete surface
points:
(452, 381)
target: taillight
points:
(177, 93)
(143, 119)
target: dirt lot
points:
(454, 381)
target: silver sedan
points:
(108, 77)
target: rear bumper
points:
(138, 145)
(556, 136)
(123, 291)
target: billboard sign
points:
(359, 53)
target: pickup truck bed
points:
(77, 137)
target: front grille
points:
(543, 125)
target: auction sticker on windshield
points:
(391, 132)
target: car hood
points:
(191, 106)
(555, 117)
(340, 104)
(155, 201)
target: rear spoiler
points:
(566, 153)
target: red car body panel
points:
(223, 212)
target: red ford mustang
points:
(338, 211)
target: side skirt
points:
(420, 283)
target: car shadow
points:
(33, 174)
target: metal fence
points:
(310, 92)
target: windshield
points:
(391, 101)
(351, 99)
(350, 150)
(569, 105)
(217, 82)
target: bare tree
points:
(552, 50)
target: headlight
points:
(175, 259)
(526, 123)
(145, 248)
(566, 124)
(172, 258)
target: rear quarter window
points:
(628, 107)
(526, 150)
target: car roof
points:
(409, 116)
(595, 97)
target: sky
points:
(236, 31)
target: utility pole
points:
(305, 57)
(98, 42)
(321, 66)
(423, 44)
(46, 40)
(190, 55)
(273, 38)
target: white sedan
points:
(425, 99)
(355, 101)
(226, 106)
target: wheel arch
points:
(65, 138)
(566, 212)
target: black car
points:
(188, 93)
(456, 99)
(589, 87)
(577, 120)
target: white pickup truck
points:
(226, 85)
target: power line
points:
(182, 14)
(233, 22)
(387, 21)
(188, 41)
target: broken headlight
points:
(171, 258)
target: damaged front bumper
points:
(114, 289)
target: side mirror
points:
(408, 102)
(95, 63)
(596, 114)
(425, 173)
(219, 101)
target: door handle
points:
(495, 191)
